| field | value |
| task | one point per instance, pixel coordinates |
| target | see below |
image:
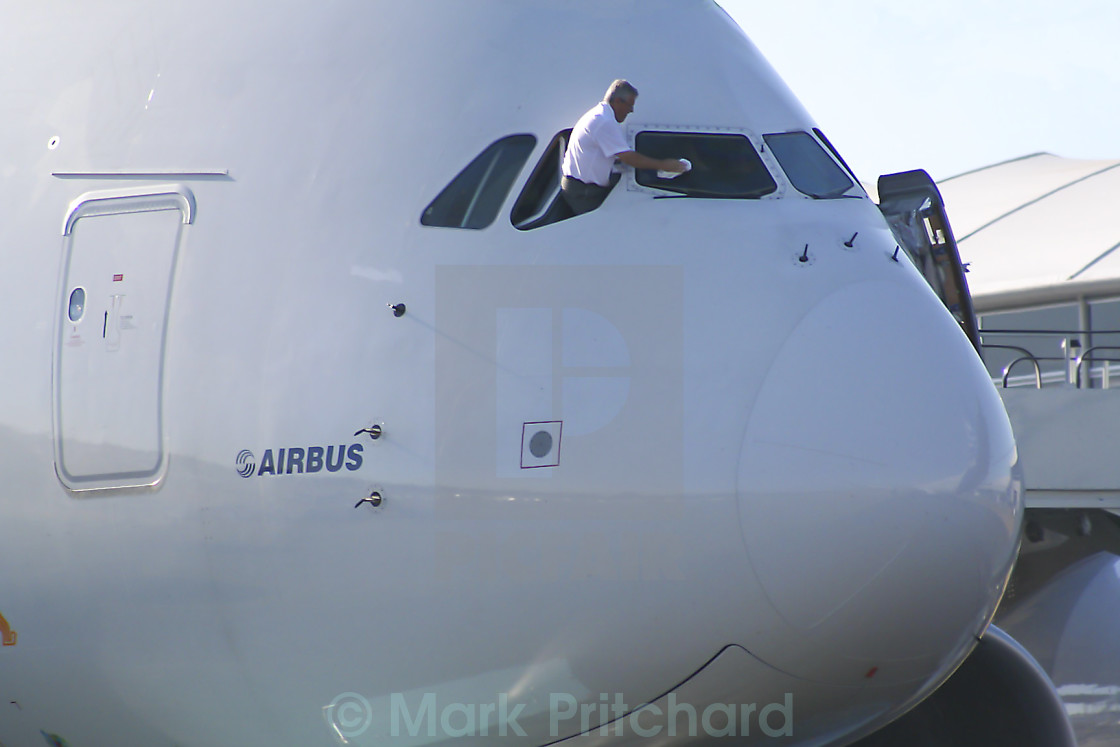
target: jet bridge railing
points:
(1026, 356)
(1085, 369)
(1105, 371)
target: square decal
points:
(540, 444)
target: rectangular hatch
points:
(119, 252)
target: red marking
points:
(7, 635)
(871, 672)
(118, 278)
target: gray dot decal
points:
(540, 444)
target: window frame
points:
(829, 155)
(630, 176)
(547, 210)
(529, 143)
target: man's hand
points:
(638, 161)
(672, 164)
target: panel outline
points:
(130, 200)
(105, 203)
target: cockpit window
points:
(724, 166)
(809, 168)
(832, 149)
(540, 202)
(474, 197)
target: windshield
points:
(809, 168)
(723, 166)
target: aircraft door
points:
(119, 251)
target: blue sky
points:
(947, 86)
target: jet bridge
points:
(1057, 374)
(1064, 410)
(1066, 417)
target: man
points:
(597, 140)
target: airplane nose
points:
(878, 492)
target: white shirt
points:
(596, 139)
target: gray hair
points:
(619, 89)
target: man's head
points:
(621, 97)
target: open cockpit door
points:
(540, 202)
(912, 205)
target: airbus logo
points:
(298, 460)
(246, 463)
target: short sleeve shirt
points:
(596, 139)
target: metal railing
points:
(1105, 371)
(1077, 368)
(1026, 356)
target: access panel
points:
(119, 254)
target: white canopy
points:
(1037, 229)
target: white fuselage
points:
(784, 477)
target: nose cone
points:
(878, 492)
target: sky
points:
(947, 85)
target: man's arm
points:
(638, 161)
